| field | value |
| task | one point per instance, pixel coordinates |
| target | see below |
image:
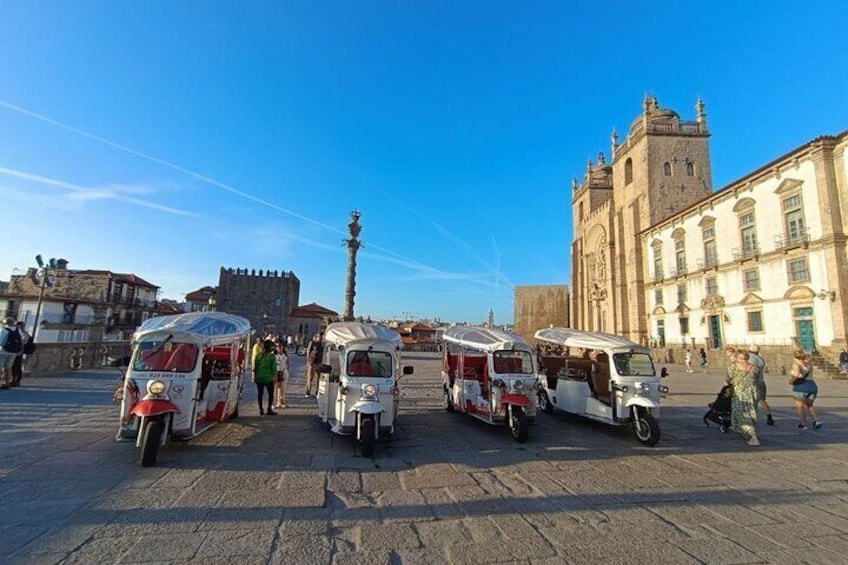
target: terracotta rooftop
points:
(312, 310)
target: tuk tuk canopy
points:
(342, 333)
(485, 339)
(587, 340)
(206, 327)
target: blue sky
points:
(169, 139)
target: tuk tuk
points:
(358, 390)
(490, 375)
(185, 375)
(600, 376)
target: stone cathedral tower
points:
(661, 167)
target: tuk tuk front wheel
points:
(518, 425)
(367, 436)
(545, 403)
(646, 427)
(152, 437)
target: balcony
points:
(74, 319)
(679, 272)
(658, 276)
(795, 239)
(707, 262)
(746, 252)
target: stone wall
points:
(52, 357)
(538, 307)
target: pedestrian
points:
(743, 414)
(730, 353)
(264, 373)
(688, 360)
(282, 375)
(760, 380)
(804, 390)
(256, 351)
(843, 361)
(18, 365)
(10, 345)
(703, 355)
(314, 355)
(289, 342)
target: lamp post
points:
(265, 317)
(44, 283)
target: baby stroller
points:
(719, 412)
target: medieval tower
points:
(661, 167)
(265, 298)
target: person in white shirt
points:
(282, 375)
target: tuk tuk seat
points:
(601, 382)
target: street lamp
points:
(265, 318)
(44, 283)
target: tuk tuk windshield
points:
(369, 364)
(634, 364)
(512, 362)
(165, 355)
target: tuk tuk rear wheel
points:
(367, 436)
(448, 402)
(646, 427)
(518, 425)
(545, 403)
(150, 441)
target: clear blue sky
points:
(170, 138)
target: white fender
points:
(367, 407)
(641, 401)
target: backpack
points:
(13, 341)
(29, 347)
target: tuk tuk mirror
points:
(323, 369)
(407, 369)
(663, 373)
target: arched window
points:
(667, 169)
(690, 169)
(628, 171)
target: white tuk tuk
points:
(185, 375)
(490, 374)
(603, 377)
(358, 391)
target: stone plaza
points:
(444, 489)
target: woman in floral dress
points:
(744, 404)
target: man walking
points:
(314, 354)
(10, 346)
(18, 365)
(760, 380)
(843, 362)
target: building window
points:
(628, 171)
(748, 232)
(658, 296)
(793, 217)
(755, 321)
(710, 253)
(680, 255)
(658, 265)
(798, 272)
(751, 280)
(580, 212)
(711, 286)
(667, 169)
(690, 169)
(684, 326)
(681, 293)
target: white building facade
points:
(761, 261)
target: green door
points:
(804, 328)
(715, 331)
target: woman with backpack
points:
(11, 345)
(264, 373)
(28, 348)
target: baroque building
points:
(659, 257)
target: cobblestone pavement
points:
(445, 488)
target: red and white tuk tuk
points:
(185, 375)
(490, 374)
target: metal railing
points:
(796, 239)
(746, 252)
(707, 262)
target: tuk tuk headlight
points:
(518, 387)
(156, 388)
(643, 389)
(369, 391)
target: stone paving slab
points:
(445, 489)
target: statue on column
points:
(353, 244)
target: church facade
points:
(660, 258)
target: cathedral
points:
(661, 258)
